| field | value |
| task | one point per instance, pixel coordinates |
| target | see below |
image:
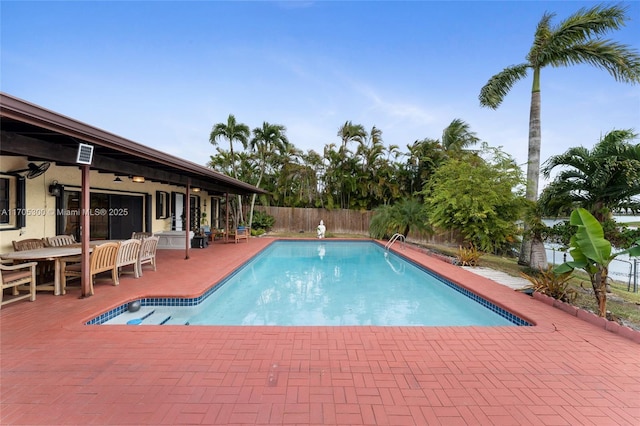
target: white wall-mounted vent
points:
(85, 154)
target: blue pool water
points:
(337, 283)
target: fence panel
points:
(291, 219)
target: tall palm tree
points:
(576, 40)
(232, 131)
(458, 136)
(270, 139)
(600, 180)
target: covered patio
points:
(56, 370)
(56, 171)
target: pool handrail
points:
(397, 236)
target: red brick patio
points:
(55, 370)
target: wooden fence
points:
(292, 219)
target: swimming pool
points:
(324, 283)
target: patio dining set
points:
(47, 263)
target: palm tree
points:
(601, 180)
(458, 136)
(231, 131)
(576, 40)
(406, 215)
(350, 132)
(424, 158)
(270, 139)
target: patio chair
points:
(28, 244)
(206, 230)
(141, 235)
(219, 234)
(242, 233)
(148, 253)
(16, 277)
(45, 268)
(103, 259)
(61, 240)
(128, 255)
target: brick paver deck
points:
(55, 370)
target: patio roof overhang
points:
(39, 134)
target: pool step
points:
(156, 318)
(176, 321)
(127, 316)
(148, 315)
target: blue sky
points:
(163, 73)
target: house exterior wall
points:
(40, 206)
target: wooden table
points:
(57, 254)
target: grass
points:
(623, 304)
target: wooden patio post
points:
(187, 215)
(226, 225)
(85, 229)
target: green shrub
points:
(257, 232)
(263, 221)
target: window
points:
(4, 201)
(12, 202)
(162, 205)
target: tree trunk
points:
(538, 255)
(253, 198)
(599, 284)
(533, 162)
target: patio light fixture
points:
(55, 189)
(138, 179)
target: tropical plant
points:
(268, 140)
(262, 221)
(350, 132)
(406, 215)
(424, 158)
(231, 131)
(468, 256)
(481, 199)
(576, 40)
(553, 284)
(600, 180)
(458, 136)
(592, 253)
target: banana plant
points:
(592, 253)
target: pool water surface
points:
(332, 283)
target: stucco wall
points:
(40, 205)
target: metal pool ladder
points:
(397, 236)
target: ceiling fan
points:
(34, 170)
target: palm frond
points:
(620, 61)
(493, 93)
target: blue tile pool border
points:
(193, 301)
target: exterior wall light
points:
(55, 189)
